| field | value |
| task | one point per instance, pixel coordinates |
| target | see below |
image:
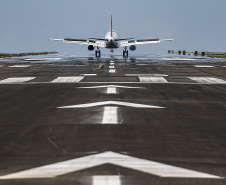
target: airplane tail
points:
(111, 25)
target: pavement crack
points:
(51, 141)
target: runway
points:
(87, 121)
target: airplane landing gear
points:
(125, 53)
(97, 52)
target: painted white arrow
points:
(111, 103)
(82, 163)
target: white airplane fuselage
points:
(111, 38)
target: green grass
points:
(3, 55)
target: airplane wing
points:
(142, 42)
(82, 41)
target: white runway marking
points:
(88, 74)
(112, 71)
(20, 66)
(111, 67)
(207, 80)
(16, 80)
(202, 66)
(152, 79)
(125, 161)
(37, 59)
(69, 79)
(1, 65)
(112, 63)
(136, 105)
(177, 58)
(106, 180)
(111, 90)
(110, 115)
(109, 86)
(146, 75)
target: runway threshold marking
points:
(16, 80)
(125, 161)
(152, 79)
(110, 115)
(106, 180)
(69, 79)
(211, 80)
(86, 105)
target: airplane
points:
(112, 41)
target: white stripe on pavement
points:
(69, 79)
(112, 71)
(211, 80)
(20, 66)
(110, 115)
(111, 90)
(106, 180)
(16, 80)
(152, 79)
(202, 66)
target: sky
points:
(27, 25)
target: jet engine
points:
(91, 47)
(133, 48)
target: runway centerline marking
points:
(210, 80)
(111, 90)
(68, 79)
(110, 115)
(16, 80)
(136, 105)
(125, 161)
(152, 79)
(112, 71)
(111, 67)
(106, 180)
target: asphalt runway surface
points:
(146, 120)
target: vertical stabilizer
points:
(111, 25)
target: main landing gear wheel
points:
(97, 52)
(125, 53)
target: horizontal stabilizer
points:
(124, 39)
(166, 39)
(79, 40)
(147, 40)
(98, 39)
